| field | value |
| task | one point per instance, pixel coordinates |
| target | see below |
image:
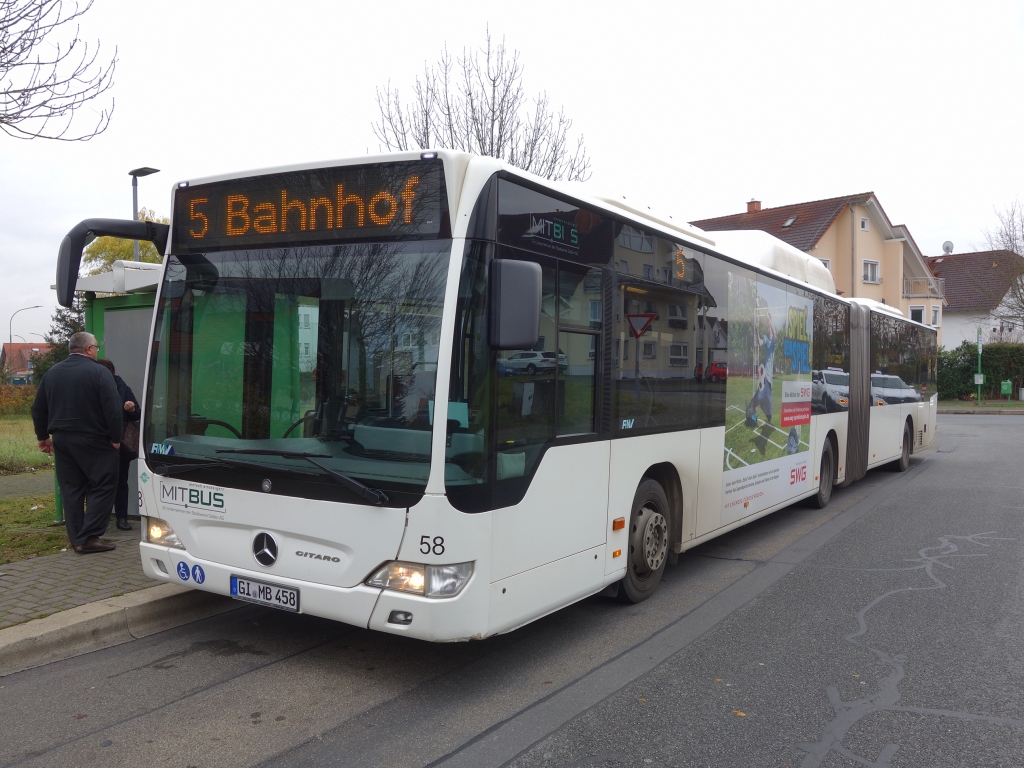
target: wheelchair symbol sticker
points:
(183, 571)
(198, 575)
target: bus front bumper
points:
(362, 606)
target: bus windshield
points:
(328, 351)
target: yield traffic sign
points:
(640, 323)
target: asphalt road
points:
(885, 630)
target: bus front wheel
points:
(648, 543)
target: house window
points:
(617, 343)
(435, 338)
(649, 271)
(863, 225)
(625, 349)
(677, 316)
(651, 308)
(826, 263)
(935, 316)
(871, 272)
(305, 349)
(636, 240)
(406, 339)
(917, 314)
(650, 350)
(593, 348)
(595, 314)
(679, 355)
(623, 266)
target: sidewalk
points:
(78, 595)
(990, 407)
(31, 589)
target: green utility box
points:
(1006, 388)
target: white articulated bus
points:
(433, 395)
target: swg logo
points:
(798, 475)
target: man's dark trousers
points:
(87, 467)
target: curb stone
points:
(982, 411)
(105, 623)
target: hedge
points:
(999, 363)
(16, 400)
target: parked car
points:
(716, 372)
(532, 362)
(891, 390)
(831, 390)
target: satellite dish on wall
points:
(947, 247)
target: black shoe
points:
(123, 525)
(94, 545)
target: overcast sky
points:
(694, 107)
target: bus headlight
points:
(159, 532)
(426, 580)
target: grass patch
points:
(19, 449)
(27, 529)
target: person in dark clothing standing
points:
(78, 405)
(126, 455)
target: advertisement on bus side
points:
(768, 396)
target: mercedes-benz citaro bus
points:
(332, 424)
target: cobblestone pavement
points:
(38, 587)
(34, 588)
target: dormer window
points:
(789, 222)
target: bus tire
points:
(902, 464)
(648, 543)
(826, 476)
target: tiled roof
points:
(976, 281)
(811, 222)
(16, 356)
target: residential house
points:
(16, 361)
(868, 256)
(983, 290)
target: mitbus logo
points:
(186, 496)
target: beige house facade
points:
(868, 256)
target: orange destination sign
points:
(379, 201)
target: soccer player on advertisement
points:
(764, 330)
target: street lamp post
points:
(144, 171)
(10, 328)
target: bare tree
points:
(1008, 235)
(46, 80)
(477, 103)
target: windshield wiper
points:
(361, 489)
(178, 469)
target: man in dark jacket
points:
(78, 404)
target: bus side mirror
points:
(69, 257)
(515, 290)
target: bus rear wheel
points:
(826, 475)
(649, 534)
(902, 464)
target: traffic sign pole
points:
(638, 325)
(978, 377)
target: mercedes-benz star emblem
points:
(264, 549)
